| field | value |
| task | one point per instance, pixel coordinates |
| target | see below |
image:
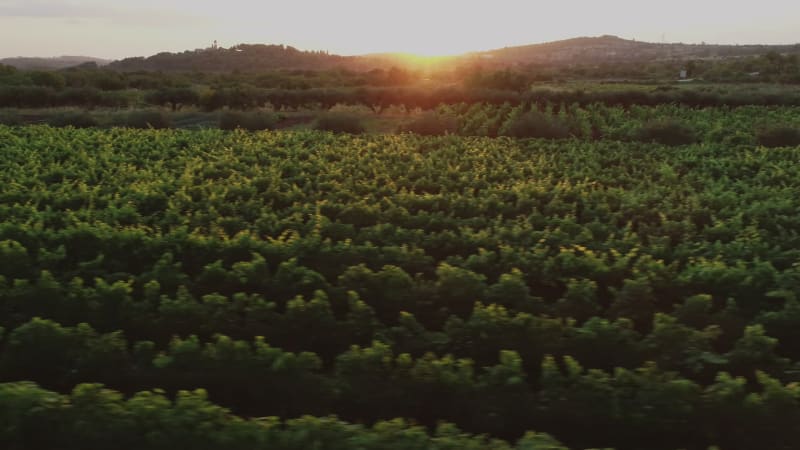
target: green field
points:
(609, 292)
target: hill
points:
(581, 50)
(243, 57)
(612, 48)
(59, 62)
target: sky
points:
(120, 28)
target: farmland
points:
(604, 286)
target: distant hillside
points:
(60, 62)
(243, 57)
(590, 50)
(612, 48)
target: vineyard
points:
(230, 289)
(667, 124)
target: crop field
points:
(241, 289)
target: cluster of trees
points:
(97, 78)
(498, 284)
(378, 89)
(244, 97)
(501, 79)
(771, 67)
(94, 87)
(381, 98)
(43, 97)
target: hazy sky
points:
(120, 28)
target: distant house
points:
(683, 74)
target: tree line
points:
(378, 89)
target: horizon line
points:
(410, 53)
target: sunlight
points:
(416, 60)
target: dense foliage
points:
(665, 124)
(94, 417)
(611, 294)
(378, 89)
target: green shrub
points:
(778, 136)
(73, 119)
(431, 124)
(147, 119)
(339, 123)
(666, 132)
(536, 125)
(231, 120)
(739, 138)
(730, 137)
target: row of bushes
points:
(673, 132)
(378, 98)
(82, 119)
(94, 417)
(535, 124)
(147, 119)
(229, 120)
